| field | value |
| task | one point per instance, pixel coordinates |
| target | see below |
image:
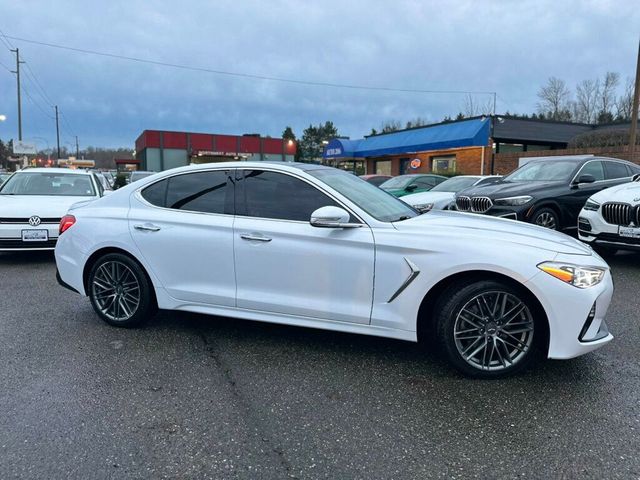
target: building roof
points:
(523, 130)
(466, 133)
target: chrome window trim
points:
(602, 160)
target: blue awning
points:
(466, 133)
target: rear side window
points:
(205, 192)
(275, 195)
(616, 170)
(156, 194)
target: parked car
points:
(412, 183)
(104, 181)
(442, 196)
(548, 191)
(139, 175)
(376, 180)
(610, 220)
(233, 239)
(32, 202)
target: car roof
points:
(54, 170)
(253, 164)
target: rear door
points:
(183, 226)
(286, 266)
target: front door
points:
(183, 226)
(286, 266)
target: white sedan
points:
(443, 195)
(32, 202)
(317, 247)
(610, 219)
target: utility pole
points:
(634, 113)
(17, 72)
(57, 131)
(77, 148)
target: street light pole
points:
(57, 131)
(17, 72)
(77, 148)
(634, 113)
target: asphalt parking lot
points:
(190, 396)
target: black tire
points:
(118, 278)
(546, 217)
(455, 310)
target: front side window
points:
(265, 194)
(205, 192)
(55, 184)
(593, 168)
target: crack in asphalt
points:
(251, 413)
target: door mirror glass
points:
(331, 217)
(585, 178)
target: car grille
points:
(17, 243)
(612, 237)
(617, 213)
(26, 220)
(463, 204)
(473, 204)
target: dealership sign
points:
(333, 152)
(23, 148)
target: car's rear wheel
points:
(547, 218)
(120, 292)
(488, 329)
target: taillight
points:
(66, 222)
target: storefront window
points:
(383, 167)
(443, 164)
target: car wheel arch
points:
(551, 205)
(425, 327)
(93, 258)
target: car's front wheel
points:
(488, 329)
(120, 292)
(547, 218)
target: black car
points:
(548, 191)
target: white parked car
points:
(610, 220)
(32, 202)
(317, 247)
(443, 195)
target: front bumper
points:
(11, 237)
(592, 229)
(574, 328)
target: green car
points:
(414, 183)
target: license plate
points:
(35, 235)
(629, 232)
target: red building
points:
(159, 150)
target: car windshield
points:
(377, 203)
(398, 182)
(40, 183)
(455, 184)
(546, 171)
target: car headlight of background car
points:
(423, 207)
(513, 201)
(591, 205)
(576, 275)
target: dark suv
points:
(547, 191)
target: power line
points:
(32, 76)
(245, 75)
(7, 68)
(26, 92)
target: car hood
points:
(507, 189)
(428, 197)
(482, 228)
(627, 193)
(24, 206)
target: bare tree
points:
(416, 122)
(585, 106)
(608, 94)
(554, 99)
(390, 126)
(472, 107)
(624, 104)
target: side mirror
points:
(411, 188)
(636, 178)
(585, 178)
(332, 217)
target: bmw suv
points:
(547, 191)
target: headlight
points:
(591, 205)
(576, 275)
(513, 201)
(423, 207)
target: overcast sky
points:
(510, 47)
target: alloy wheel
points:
(493, 331)
(116, 290)
(547, 220)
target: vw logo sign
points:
(34, 221)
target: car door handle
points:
(254, 237)
(149, 227)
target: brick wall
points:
(468, 160)
(507, 162)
